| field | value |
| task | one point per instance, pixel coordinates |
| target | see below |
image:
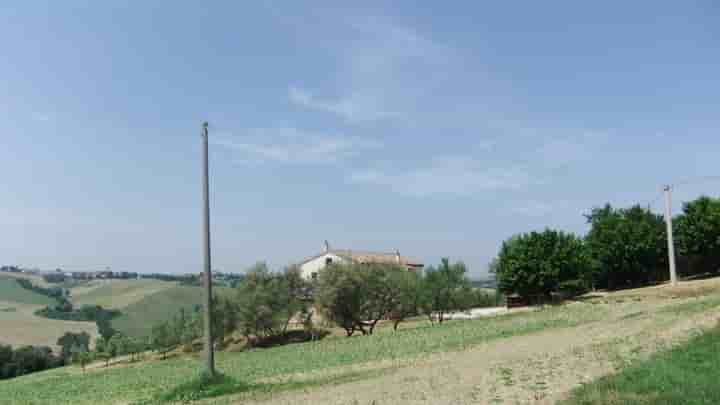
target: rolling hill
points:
(116, 294)
(20, 326)
(138, 318)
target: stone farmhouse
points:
(310, 267)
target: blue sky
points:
(437, 130)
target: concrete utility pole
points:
(671, 243)
(207, 279)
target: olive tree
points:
(357, 296)
(445, 289)
(267, 301)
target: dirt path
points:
(534, 369)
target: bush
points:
(25, 360)
(539, 263)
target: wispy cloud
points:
(451, 175)
(293, 146)
(354, 107)
(382, 72)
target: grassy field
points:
(20, 326)
(11, 291)
(37, 280)
(248, 372)
(116, 294)
(138, 318)
(685, 375)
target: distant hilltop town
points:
(60, 275)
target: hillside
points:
(116, 294)
(138, 318)
(20, 326)
(11, 291)
(523, 357)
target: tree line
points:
(270, 308)
(624, 248)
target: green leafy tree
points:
(266, 302)
(446, 289)
(409, 295)
(539, 263)
(628, 246)
(73, 341)
(697, 234)
(357, 296)
(81, 356)
(161, 339)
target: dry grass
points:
(22, 327)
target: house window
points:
(314, 275)
(328, 260)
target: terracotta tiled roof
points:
(360, 256)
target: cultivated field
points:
(116, 294)
(139, 317)
(20, 326)
(526, 357)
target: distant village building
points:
(310, 268)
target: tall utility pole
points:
(671, 244)
(207, 279)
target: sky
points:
(436, 129)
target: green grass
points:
(11, 291)
(696, 305)
(117, 294)
(138, 318)
(249, 372)
(685, 375)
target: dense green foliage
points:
(629, 246)
(86, 313)
(685, 375)
(539, 263)
(697, 232)
(26, 360)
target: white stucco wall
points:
(317, 264)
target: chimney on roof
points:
(397, 256)
(326, 247)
